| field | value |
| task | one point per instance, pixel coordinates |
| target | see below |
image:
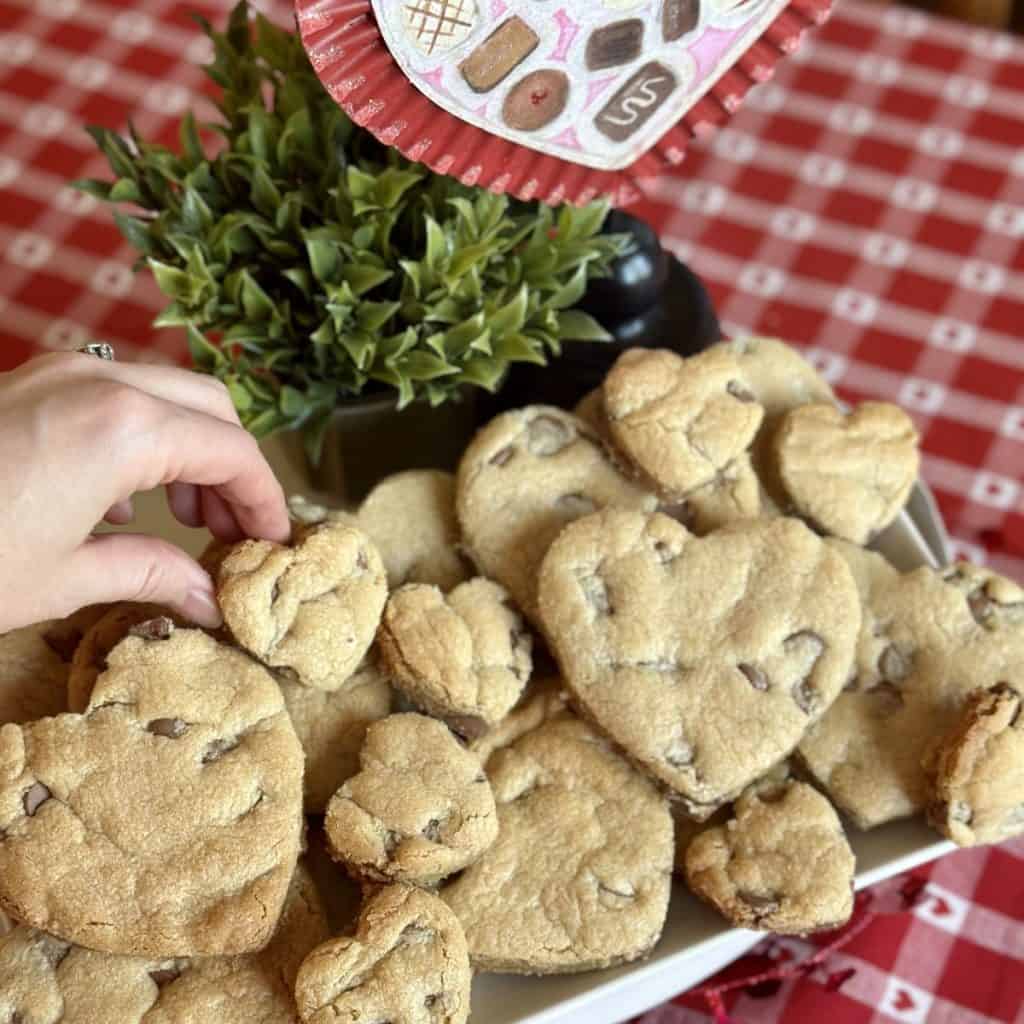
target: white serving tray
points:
(696, 941)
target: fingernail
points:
(202, 608)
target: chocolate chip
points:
(980, 605)
(681, 512)
(467, 726)
(887, 699)
(961, 811)
(432, 832)
(362, 561)
(53, 950)
(35, 797)
(773, 794)
(740, 392)
(762, 904)
(807, 644)
(155, 629)
(893, 665)
(755, 676)
(171, 728)
(391, 841)
(218, 748)
(433, 999)
(596, 593)
(679, 754)
(806, 696)
(664, 552)
(548, 436)
(164, 976)
(416, 935)
(576, 505)
(503, 457)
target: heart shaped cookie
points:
(848, 474)
(706, 659)
(525, 476)
(464, 658)
(756, 869)
(419, 809)
(680, 421)
(578, 878)
(308, 611)
(407, 962)
(166, 820)
(46, 981)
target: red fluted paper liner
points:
(350, 57)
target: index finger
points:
(199, 449)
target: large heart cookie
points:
(166, 820)
(848, 474)
(579, 876)
(46, 981)
(706, 659)
(406, 963)
(576, 80)
(522, 479)
(310, 610)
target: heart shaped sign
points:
(594, 83)
(560, 101)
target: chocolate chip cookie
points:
(848, 474)
(419, 809)
(578, 878)
(406, 962)
(331, 727)
(411, 518)
(679, 421)
(929, 638)
(781, 864)
(524, 477)
(464, 658)
(308, 611)
(976, 771)
(543, 700)
(46, 981)
(705, 659)
(163, 822)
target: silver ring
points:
(99, 349)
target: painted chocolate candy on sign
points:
(595, 82)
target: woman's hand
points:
(80, 436)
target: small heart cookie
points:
(406, 963)
(166, 820)
(464, 658)
(578, 878)
(525, 476)
(780, 864)
(848, 474)
(411, 518)
(308, 611)
(705, 659)
(680, 421)
(976, 771)
(46, 981)
(420, 808)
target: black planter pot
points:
(681, 318)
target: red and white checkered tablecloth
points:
(867, 203)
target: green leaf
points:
(173, 282)
(372, 316)
(195, 213)
(136, 232)
(191, 146)
(425, 366)
(93, 187)
(126, 190)
(239, 395)
(256, 302)
(484, 372)
(509, 319)
(292, 403)
(437, 245)
(571, 292)
(323, 259)
(205, 355)
(575, 325)
(362, 279)
(518, 348)
(265, 195)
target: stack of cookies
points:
(642, 638)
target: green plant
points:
(309, 263)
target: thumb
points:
(134, 567)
